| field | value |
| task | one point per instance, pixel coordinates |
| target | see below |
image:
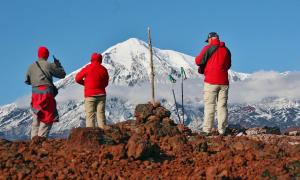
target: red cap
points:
(96, 57)
(43, 52)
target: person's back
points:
(94, 77)
(216, 60)
(43, 104)
(216, 69)
(35, 77)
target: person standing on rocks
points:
(214, 61)
(94, 77)
(43, 104)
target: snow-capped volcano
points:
(128, 66)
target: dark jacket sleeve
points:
(57, 70)
(229, 58)
(200, 56)
(79, 78)
(106, 78)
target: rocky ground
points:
(153, 147)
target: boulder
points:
(143, 111)
(114, 135)
(177, 143)
(139, 147)
(168, 121)
(159, 129)
(235, 129)
(85, 138)
(162, 112)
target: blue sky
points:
(261, 34)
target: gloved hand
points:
(56, 61)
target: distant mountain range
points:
(128, 66)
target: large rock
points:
(235, 129)
(162, 112)
(114, 135)
(139, 147)
(177, 143)
(143, 111)
(85, 138)
(154, 126)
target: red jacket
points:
(94, 77)
(216, 69)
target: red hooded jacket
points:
(216, 69)
(94, 77)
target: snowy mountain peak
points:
(128, 64)
(133, 43)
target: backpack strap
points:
(37, 63)
(209, 52)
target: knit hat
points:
(43, 52)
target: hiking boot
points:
(205, 134)
(105, 127)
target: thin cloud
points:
(260, 85)
(263, 84)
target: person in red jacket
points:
(214, 61)
(94, 77)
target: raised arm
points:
(57, 70)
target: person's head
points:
(43, 53)
(211, 36)
(96, 57)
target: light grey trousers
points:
(95, 109)
(215, 95)
(39, 128)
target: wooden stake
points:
(152, 68)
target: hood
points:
(222, 44)
(217, 42)
(96, 58)
(43, 53)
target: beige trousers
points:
(39, 128)
(95, 108)
(215, 95)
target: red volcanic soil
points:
(151, 147)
